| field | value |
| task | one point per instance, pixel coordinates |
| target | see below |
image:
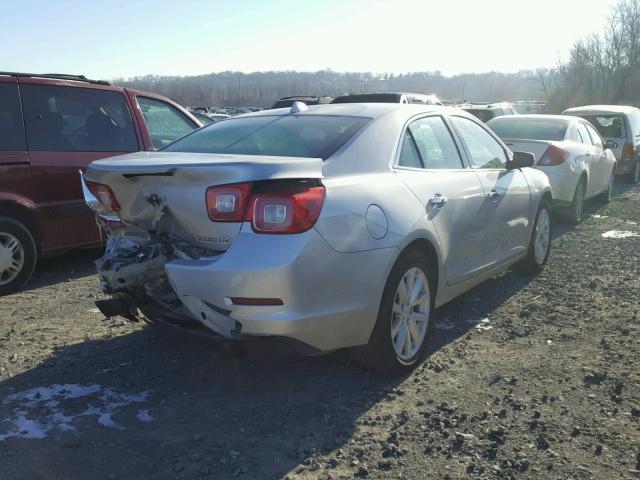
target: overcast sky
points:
(124, 38)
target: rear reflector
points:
(228, 203)
(104, 194)
(553, 156)
(255, 301)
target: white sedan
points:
(579, 164)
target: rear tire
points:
(406, 311)
(573, 214)
(540, 243)
(605, 197)
(18, 255)
(634, 176)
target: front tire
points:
(605, 197)
(405, 318)
(17, 255)
(540, 243)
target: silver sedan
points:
(332, 226)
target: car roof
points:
(536, 116)
(601, 109)
(370, 110)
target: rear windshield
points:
(317, 136)
(610, 126)
(369, 98)
(528, 129)
(481, 114)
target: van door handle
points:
(493, 194)
(438, 200)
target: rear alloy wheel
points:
(17, 255)
(574, 213)
(540, 244)
(404, 321)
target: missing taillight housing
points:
(553, 156)
(288, 211)
(228, 203)
(628, 151)
(104, 194)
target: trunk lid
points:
(165, 191)
(537, 147)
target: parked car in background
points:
(569, 150)
(621, 126)
(286, 102)
(216, 117)
(487, 111)
(202, 118)
(418, 98)
(50, 127)
(330, 227)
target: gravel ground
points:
(527, 378)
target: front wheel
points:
(605, 196)
(540, 243)
(17, 255)
(405, 318)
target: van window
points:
(11, 126)
(165, 123)
(77, 119)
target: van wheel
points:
(405, 318)
(17, 255)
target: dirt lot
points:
(527, 378)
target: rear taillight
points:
(286, 211)
(104, 194)
(628, 152)
(228, 203)
(553, 156)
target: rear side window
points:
(595, 138)
(317, 136)
(77, 119)
(11, 126)
(529, 129)
(435, 144)
(583, 134)
(165, 123)
(609, 126)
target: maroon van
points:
(51, 126)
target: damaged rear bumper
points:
(329, 300)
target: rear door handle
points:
(438, 200)
(493, 194)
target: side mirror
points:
(610, 144)
(521, 160)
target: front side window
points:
(484, 150)
(316, 136)
(435, 145)
(77, 119)
(165, 123)
(11, 127)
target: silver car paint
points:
(331, 277)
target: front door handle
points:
(438, 200)
(493, 194)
